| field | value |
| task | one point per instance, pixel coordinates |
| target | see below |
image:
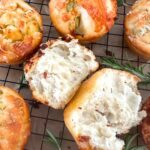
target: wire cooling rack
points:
(43, 117)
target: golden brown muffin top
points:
(137, 25)
(20, 31)
(84, 19)
(14, 120)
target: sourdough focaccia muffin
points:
(105, 106)
(137, 26)
(86, 20)
(20, 31)
(57, 70)
(14, 120)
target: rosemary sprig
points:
(122, 3)
(138, 71)
(129, 139)
(52, 140)
(138, 148)
(23, 83)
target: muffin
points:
(14, 120)
(57, 70)
(86, 20)
(106, 105)
(145, 125)
(137, 28)
(20, 31)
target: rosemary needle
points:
(138, 71)
(23, 83)
(129, 139)
(122, 3)
(51, 139)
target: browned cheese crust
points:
(86, 20)
(20, 31)
(14, 120)
(145, 125)
(137, 28)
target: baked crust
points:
(84, 20)
(89, 86)
(30, 65)
(137, 28)
(15, 120)
(20, 31)
(145, 125)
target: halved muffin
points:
(137, 28)
(20, 31)
(86, 20)
(106, 105)
(57, 70)
(14, 120)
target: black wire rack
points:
(43, 117)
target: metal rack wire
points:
(43, 117)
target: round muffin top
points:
(86, 20)
(137, 25)
(14, 120)
(20, 31)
